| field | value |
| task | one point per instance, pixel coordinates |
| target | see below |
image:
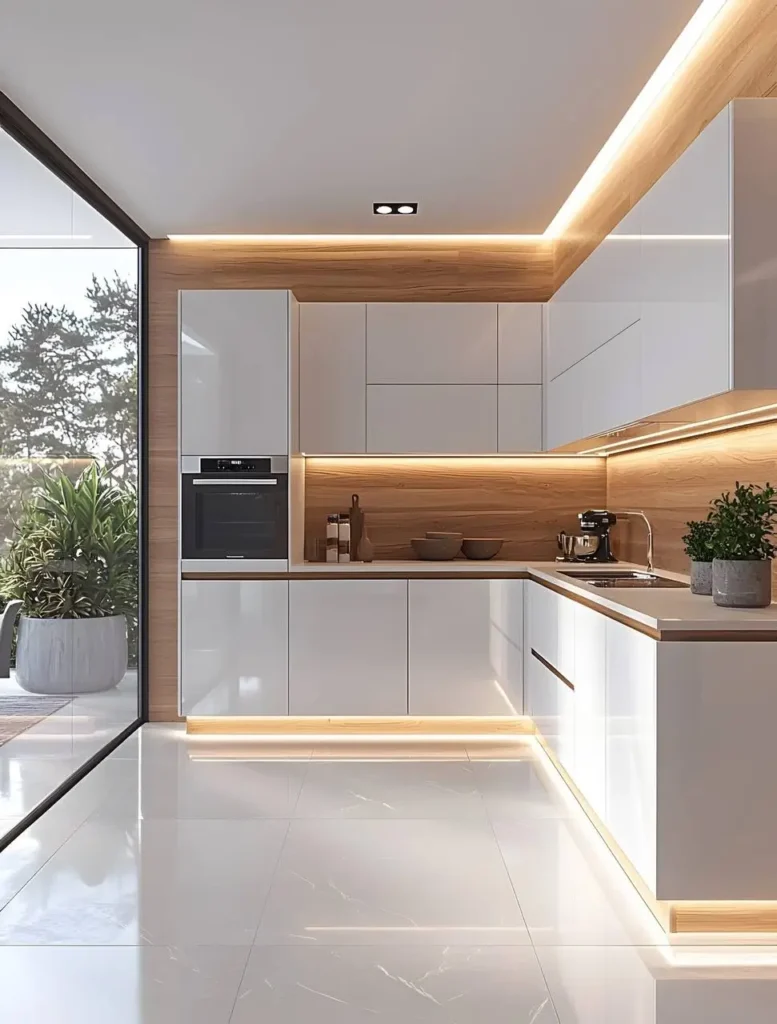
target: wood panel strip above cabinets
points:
(350, 270)
(738, 58)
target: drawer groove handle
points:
(553, 669)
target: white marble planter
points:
(71, 655)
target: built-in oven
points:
(234, 513)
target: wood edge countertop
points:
(729, 625)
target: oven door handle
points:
(234, 482)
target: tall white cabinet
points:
(677, 304)
(420, 378)
(234, 364)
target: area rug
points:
(17, 714)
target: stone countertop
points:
(660, 610)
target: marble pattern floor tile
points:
(156, 883)
(570, 888)
(401, 789)
(355, 984)
(112, 985)
(651, 985)
(391, 882)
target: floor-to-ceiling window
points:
(69, 466)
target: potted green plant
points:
(742, 546)
(73, 562)
(699, 546)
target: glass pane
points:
(68, 478)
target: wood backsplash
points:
(675, 482)
(525, 500)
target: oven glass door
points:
(235, 518)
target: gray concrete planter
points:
(742, 584)
(701, 578)
(71, 655)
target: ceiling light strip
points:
(287, 239)
(659, 81)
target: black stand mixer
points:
(593, 542)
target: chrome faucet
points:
(641, 515)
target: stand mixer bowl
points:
(581, 545)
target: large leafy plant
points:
(74, 554)
(744, 523)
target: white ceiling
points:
(295, 115)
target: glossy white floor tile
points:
(357, 789)
(381, 882)
(352, 984)
(104, 985)
(515, 790)
(155, 882)
(205, 881)
(570, 888)
(614, 985)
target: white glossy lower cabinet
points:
(506, 601)
(590, 713)
(452, 640)
(631, 745)
(234, 647)
(551, 703)
(348, 647)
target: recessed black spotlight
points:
(389, 209)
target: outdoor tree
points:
(68, 392)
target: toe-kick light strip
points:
(698, 29)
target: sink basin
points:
(630, 578)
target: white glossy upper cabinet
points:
(431, 343)
(450, 669)
(429, 419)
(332, 378)
(519, 417)
(519, 330)
(348, 647)
(234, 372)
(685, 274)
(234, 647)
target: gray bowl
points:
(481, 548)
(436, 549)
(439, 535)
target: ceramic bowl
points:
(436, 549)
(438, 535)
(481, 548)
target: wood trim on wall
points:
(738, 59)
